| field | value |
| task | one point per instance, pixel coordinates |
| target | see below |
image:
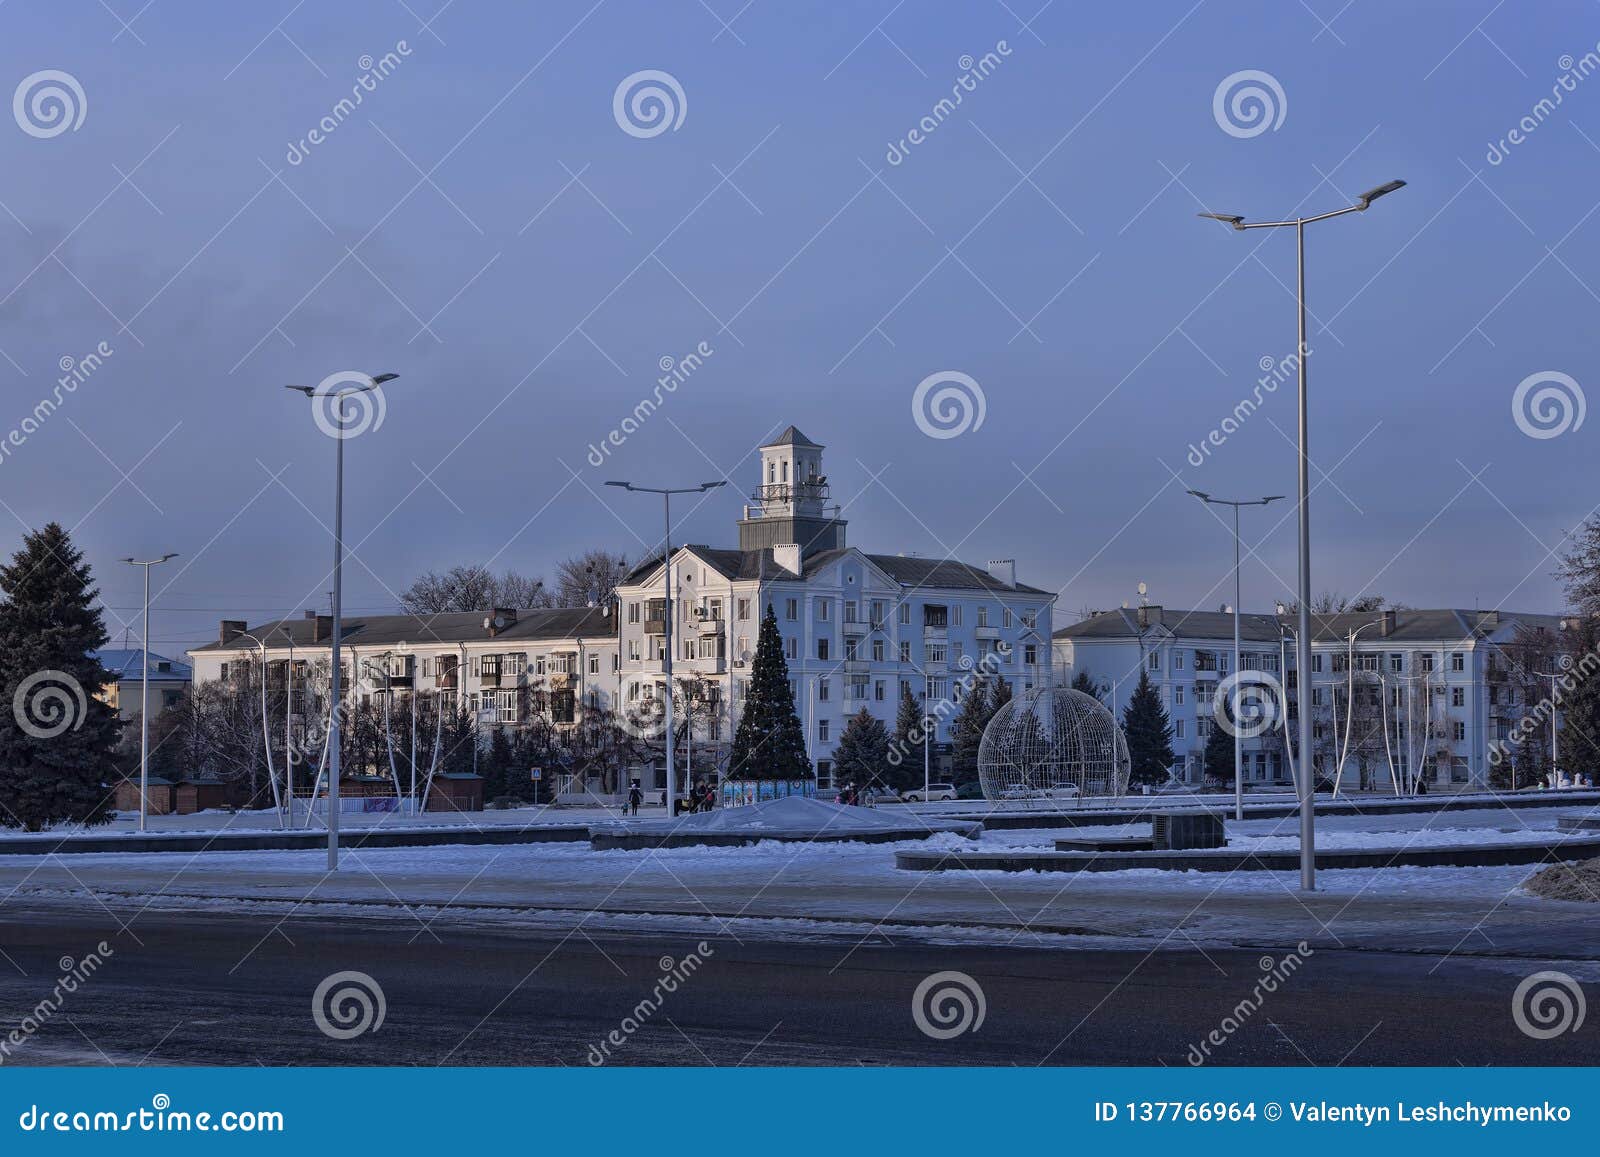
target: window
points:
(744, 608)
(594, 662)
(791, 648)
(1458, 661)
(744, 646)
(983, 616)
(877, 650)
(1397, 662)
(878, 608)
(1427, 660)
(905, 613)
(1030, 654)
(856, 688)
(905, 650)
(938, 688)
(1005, 618)
(1459, 731)
(877, 690)
(505, 705)
(822, 609)
(850, 611)
(822, 649)
(791, 609)
(936, 653)
(1458, 696)
(1153, 661)
(822, 730)
(955, 615)
(852, 648)
(822, 690)
(1316, 664)
(1177, 695)
(1178, 729)
(1177, 660)
(1030, 619)
(633, 612)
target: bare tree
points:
(589, 577)
(473, 588)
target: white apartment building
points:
(856, 627)
(486, 663)
(1445, 677)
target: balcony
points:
(489, 679)
(395, 682)
(857, 666)
(708, 625)
(986, 632)
(655, 626)
(446, 680)
(856, 628)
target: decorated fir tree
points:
(769, 742)
(57, 736)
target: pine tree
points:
(862, 757)
(769, 742)
(966, 733)
(57, 737)
(1219, 754)
(1087, 683)
(910, 743)
(1579, 735)
(1144, 721)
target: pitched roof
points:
(792, 437)
(125, 663)
(455, 627)
(1427, 625)
(910, 571)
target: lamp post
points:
(144, 689)
(1238, 754)
(1308, 869)
(339, 387)
(666, 493)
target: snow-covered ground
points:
(841, 885)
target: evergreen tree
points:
(1087, 683)
(57, 737)
(966, 733)
(1219, 753)
(494, 764)
(1144, 721)
(769, 742)
(1579, 736)
(862, 757)
(910, 743)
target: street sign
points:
(536, 774)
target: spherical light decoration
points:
(1053, 744)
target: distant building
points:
(857, 627)
(168, 679)
(1435, 683)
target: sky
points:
(498, 223)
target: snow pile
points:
(797, 814)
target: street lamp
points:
(666, 493)
(1308, 869)
(144, 689)
(1238, 754)
(338, 387)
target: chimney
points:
(1004, 570)
(787, 555)
(499, 619)
(1388, 623)
(309, 616)
(1148, 614)
(230, 630)
(323, 628)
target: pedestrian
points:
(635, 797)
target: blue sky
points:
(483, 225)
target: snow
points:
(798, 818)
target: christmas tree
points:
(58, 738)
(769, 742)
(1144, 721)
(862, 757)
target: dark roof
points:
(456, 627)
(124, 663)
(748, 565)
(792, 437)
(1409, 625)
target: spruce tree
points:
(909, 743)
(1087, 683)
(1219, 753)
(1144, 721)
(57, 737)
(862, 757)
(966, 733)
(1579, 736)
(769, 742)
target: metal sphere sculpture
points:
(1053, 743)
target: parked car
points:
(936, 792)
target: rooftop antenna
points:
(1143, 590)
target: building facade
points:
(858, 628)
(168, 678)
(1434, 692)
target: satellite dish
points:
(1143, 589)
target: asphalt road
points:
(203, 987)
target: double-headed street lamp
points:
(339, 387)
(1308, 877)
(666, 493)
(1238, 754)
(144, 689)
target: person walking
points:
(635, 797)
